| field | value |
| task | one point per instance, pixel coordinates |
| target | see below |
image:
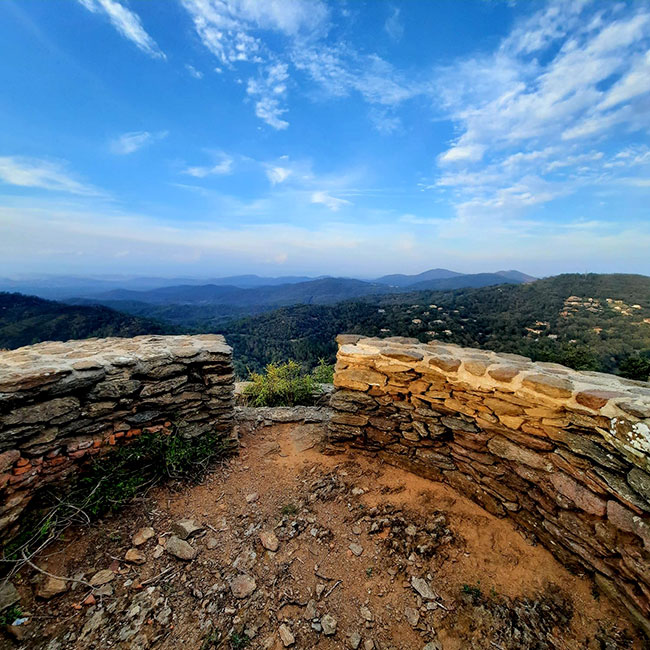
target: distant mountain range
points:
(107, 288)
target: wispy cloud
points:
(223, 167)
(130, 142)
(269, 91)
(288, 39)
(127, 23)
(277, 174)
(329, 201)
(42, 174)
(393, 25)
(571, 77)
(197, 74)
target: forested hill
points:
(588, 322)
(25, 320)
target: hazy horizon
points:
(305, 137)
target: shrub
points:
(323, 373)
(280, 385)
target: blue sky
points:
(215, 137)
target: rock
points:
(640, 482)
(432, 645)
(286, 636)
(51, 587)
(8, 595)
(242, 585)
(412, 616)
(357, 492)
(90, 600)
(366, 614)
(180, 548)
(329, 625)
(17, 632)
(422, 587)
(354, 640)
(185, 528)
(252, 497)
(102, 577)
(104, 590)
(142, 535)
(357, 549)
(134, 556)
(212, 543)
(369, 644)
(320, 588)
(269, 541)
(310, 610)
(158, 551)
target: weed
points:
(10, 615)
(474, 592)
(289, 509)
(108, 483)
(281, 385)
(323, 373)
(238, 641)
(211, 640)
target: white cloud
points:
(269, 92)
(570, 78)
(230, 28)
(393, 25)
(329, 201)
(222, 168)
(42, 174)
(277, 174)
(197, 74)
(285, 37)
(127, 23)
(130, 142)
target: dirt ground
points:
(368, 556)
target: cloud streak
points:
(131, 142)
(127, 23)
(42, 174)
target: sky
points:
(217, 137)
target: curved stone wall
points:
(61, 403)
(566, 454)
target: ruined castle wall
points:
(62, 403)
(565, 454)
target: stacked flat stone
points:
(566, 454)
(61, 403)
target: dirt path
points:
(368, 556)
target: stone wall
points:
(61, 403)
(565, 454)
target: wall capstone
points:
(565, 454)
(61, 403)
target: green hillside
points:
(588, 322)
(25, 320)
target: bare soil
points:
(354, 536)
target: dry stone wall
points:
(565, 454)
(62, 403)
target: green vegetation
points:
(289, 509)
(238, 641)
(537, 320)
(323, 373)
(281, 385)
(10, 615)
(110, 482)
(25, 320)
(474, 592)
